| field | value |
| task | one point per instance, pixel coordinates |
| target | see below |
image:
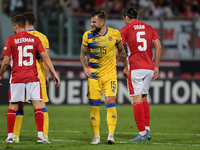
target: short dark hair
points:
(131, 13)
(30, 17)
(19, 20)
(100, 13)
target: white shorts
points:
(18, 91)
(139, 81)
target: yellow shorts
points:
(107, 85)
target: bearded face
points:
(96, 24)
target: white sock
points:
(40, 134)
(10, 135)
(110, 134)
(97, 136)
(142, 133)
(46, 136)
(15, 136)
(147, 128)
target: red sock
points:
(139, 116)
(11, 120)
(39, 119)
(145, 105)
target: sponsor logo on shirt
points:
(5, 48)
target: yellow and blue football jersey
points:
(102, 61)
(40, 63)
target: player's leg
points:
(111, 117)
(146, 108)
(147, 83)
(11, 113)
(110, 92)
(95, 94)
(14, 98)
(46, 121)
(135, 86)
(34, 95)
(18, 122)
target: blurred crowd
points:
(147, 8)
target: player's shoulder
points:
(112, 29)
(88, 31)
(146, 25)
(41, 35)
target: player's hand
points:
(0, 80)
(56, 80)
(47, 82)
(87, 72)
(156, 72)
(126, 73)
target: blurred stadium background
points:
(64, 21)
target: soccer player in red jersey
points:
(138, 37)
(20, 49)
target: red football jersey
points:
(22, 48)
(138, 38)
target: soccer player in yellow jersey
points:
(43, 73)
(101, 71)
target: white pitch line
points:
(123, 142)
(186, 134)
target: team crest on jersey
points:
(93, 40)
(110, 38)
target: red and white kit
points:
(22, 48)
(138, 38)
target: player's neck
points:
(103, 30)
(30, 28)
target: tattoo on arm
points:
(122, 53)
(83, 57)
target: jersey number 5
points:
(23, 53)
(144, 41)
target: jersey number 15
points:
(23, 53)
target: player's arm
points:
(158, 52)
(123, 57)
(83, 59)
(4, 66)
(49, 64)
(46, 70)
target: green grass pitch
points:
(173, 127)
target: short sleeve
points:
(154, 34)
(118, 37)
(46, 43)
(7, 48)
(39, 45)
(85, 39)
(123, 35)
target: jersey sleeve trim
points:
(118, 42)
(85, 45)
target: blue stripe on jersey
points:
(85, 45)
(118, 42)
(95, 103)
(93, 45)
(93, 65)
(44, 109)
(94, 55)
(20, 112)
(92, 35)
(110, 105)
(94, 75)
(31, 30)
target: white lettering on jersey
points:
(24, 40)
(139, 27)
